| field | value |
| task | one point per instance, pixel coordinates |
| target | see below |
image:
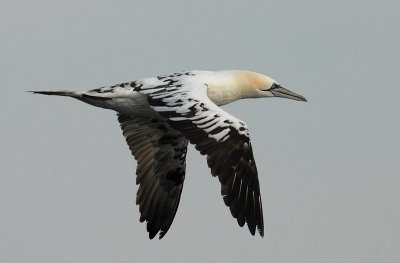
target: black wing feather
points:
(161, 154)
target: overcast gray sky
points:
(329, 168)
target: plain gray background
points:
(329, 168)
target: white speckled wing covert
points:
(223, 138)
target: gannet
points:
(159, 116)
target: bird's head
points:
(258, 85)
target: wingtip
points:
(261, 232)
(152, 235)
(162, 234)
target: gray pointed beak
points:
(281, 92)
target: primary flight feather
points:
(159, 116)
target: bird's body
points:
(159, 116)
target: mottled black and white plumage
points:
(159, 116)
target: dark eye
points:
(275, 86)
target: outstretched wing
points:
(222, 137)
(160, 152)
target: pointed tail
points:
(98, 101)
(58, 93)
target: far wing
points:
(161, 155)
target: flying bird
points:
(159, 116)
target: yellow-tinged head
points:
(231, 85)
